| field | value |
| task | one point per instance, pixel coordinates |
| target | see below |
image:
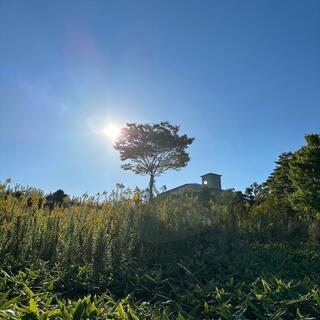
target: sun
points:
(111, 131)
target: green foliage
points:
(257, 282)
(279, 182)
(296, 179)
(305, 176)
(180, 257)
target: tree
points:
(254, 192)
(304, 173)
(152, 149)
(56, 198)
(279, 182)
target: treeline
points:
(57, 198)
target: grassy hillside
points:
(192, 256)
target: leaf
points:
(278, 314)
(259, 296)
(120, 312)
(164, 316)
(266, 286)
(50, 286)
(44, 316)
(48, 302)
(28, 291)
(80, 307)
(63, 310)
(316, 296)
(206, 307)
(131, 315)
(3, 296)
(8, 311)
(33, 307)
(151, 279)
(9, 303)
(53, 312)
(180, 317)
(185, 269)
(225, 311)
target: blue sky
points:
(242, 77)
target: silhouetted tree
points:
(152, 149)
(56, 198)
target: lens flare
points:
(111, 131)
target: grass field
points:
(123, 259)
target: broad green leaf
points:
(33, 307)
(8, 303)
(120, 312)
(29, 291)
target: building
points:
(209, 180)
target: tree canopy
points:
(304, 174)
(152, 149)
(296, 179)
(279, 182)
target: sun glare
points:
(111, 131)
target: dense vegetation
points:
(233, 255)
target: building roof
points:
(196, 186)
(185, 186)
(211, 174)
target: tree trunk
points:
(151, 187)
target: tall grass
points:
(189, 256)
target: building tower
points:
(212, 181)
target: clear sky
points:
(242, 77)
